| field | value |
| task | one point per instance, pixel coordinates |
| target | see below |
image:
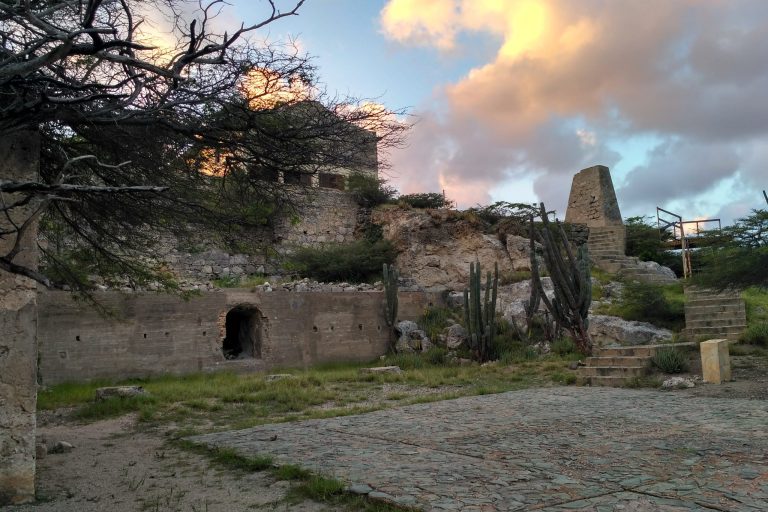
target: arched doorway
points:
(242, 333)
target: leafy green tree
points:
(741, 259)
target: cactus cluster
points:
(571, 281)
(390, 294)
(480, 314)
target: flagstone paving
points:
(556, 449)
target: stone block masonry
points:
(19, 157)
(592, 200)
(153, 334)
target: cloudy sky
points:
(512, 97)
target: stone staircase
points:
(606, 248)
(614, 366)
(710, 314)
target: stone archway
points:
(242, 333)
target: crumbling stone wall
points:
(154, 334)
(19, 160)
(326, 216)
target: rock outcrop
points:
(610, 330)
(436, 246)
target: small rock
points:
(61, 447)
(678, 383)
(119, 391)
(360, 489)
(455, 337)
(278, 376)
(381, 369)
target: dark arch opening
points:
(242, 336)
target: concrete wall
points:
(151, 334)
(19, 157)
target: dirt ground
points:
(117, 467)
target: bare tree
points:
(141, 140)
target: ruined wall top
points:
(593, 200)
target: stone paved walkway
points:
(543, 449)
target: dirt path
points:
(113, 468)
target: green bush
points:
(368, 191)
(670, 360)
(437, 356)
(356, 262)
(434, 320)
(646, 302)
(756, 334)
(426, 200)
(563, 347)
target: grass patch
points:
(756, 334)
(292, 472)
(756, 301)
(644, 381)
(661, 305)
(202, 403)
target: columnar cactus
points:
(480, 315)
(390, 294)
(571, 281)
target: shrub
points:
(437, 356)
(563, 347)
(670, 360)
(358, 261)
(756, 334)
(426, 200)
(646, 302)
(368, 191)
(434, 320)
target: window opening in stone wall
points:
(328, 180)
(242, 338)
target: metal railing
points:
(682, 238)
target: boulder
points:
(658, 269)
(455, 337)
(609, 330)
(60, 447)
(381, 369)
(411, 338)
(436, 247)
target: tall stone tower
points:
(592, 202)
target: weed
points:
(670, 360)
(563, 378)
(756, 334)
(434, 320)
(436, 356)
(291, 472)
(563, 347)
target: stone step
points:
(605, 361)
(637, 351)
(715, 322)
(696, 314)
(710, 333)
(612, 371)
(713, 301)
(711, 308)
(615, 382)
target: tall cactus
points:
(390, 294)
(571, 281)
(480, 314)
